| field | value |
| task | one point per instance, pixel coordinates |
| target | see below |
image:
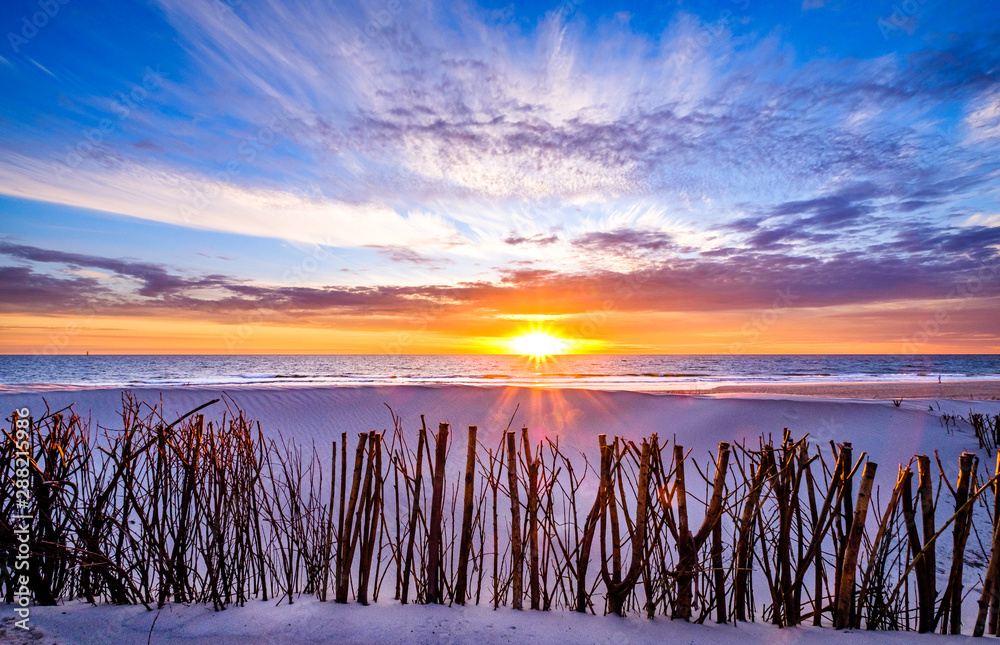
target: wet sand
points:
(974, 390)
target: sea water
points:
(639, 372)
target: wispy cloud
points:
(474, 111)
(715, 161)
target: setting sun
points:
(539, 344)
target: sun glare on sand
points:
(539, 344)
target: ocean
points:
(630, 372)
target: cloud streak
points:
(741, 282)
(514, 166)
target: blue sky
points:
(506, 160)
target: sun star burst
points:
(539, 344)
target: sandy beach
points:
(886, 433)
(983, 390)
(310, 621)
(890, 434)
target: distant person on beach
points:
(939, 378)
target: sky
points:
(731, 176)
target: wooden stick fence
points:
(214, 512)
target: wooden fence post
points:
(925, 489)
(534, 582)
(345, 542)
(902, 481)
(466, 539)
(951, 601)
(515, 522)
(619, 591)
(842, 615)
(744, 556)
(414, 512)
(434, 541)
(589, 529)
(990, 581)
(688, 544)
